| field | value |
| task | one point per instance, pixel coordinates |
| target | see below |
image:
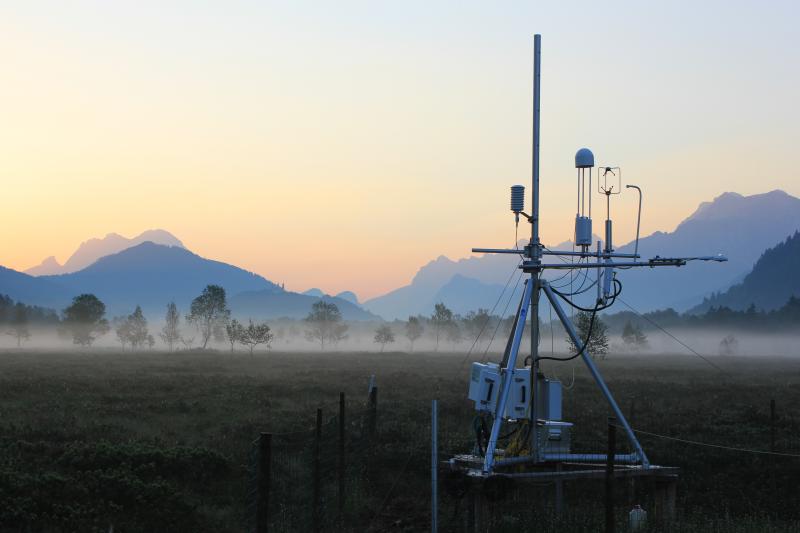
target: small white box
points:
(484, 385)
(519, 395)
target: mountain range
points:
(768, 286)
(154, 268)
(93, 249)
(740, 227)
(151, 275)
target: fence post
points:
(612, 450)
(373, 411)
(341, 469)
(263, 478)
(316, 483)
(434, 467)
(772, 425)
(772, 447)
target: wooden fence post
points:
(341, 465)
(263, 478)
(316, 468)
(612, 450)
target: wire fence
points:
(349, 473)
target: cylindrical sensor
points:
(583, 231)
(517, 198)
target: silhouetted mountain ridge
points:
(773, 280)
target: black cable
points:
(594, 311)
(585, 343)
(565, 297)
(491, 313)
(502, 316)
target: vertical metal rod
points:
(609, 500)
(372, 418)
(506, 379)
(535, 251)
(263, 476)
(587, 359)
(341, 463)
(316, 515)
(434, 467)
(772, 425)
(638, 217)
(537, 75)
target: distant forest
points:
(781, 319)
(10, 311)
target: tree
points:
(234, 331)
(255, 334)
(325, 324)
(414, 330)
(171, 332)
(19, 324)
(441, 319)
(476, 322)
(151, 341)
(122, 328)
(729, 345)
(84, 319)
(138, 333)
(633, 336)
(598, 342)
(454, 333)
(187, 341)
(209, 311)
(132, 329)
(384, 335)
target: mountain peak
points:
(731, 204)
(93, 249)
(48, 266)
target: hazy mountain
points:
(769, 285)
(93, 249)
(741, 227)
(151, 275)
(32, 290)
(462, 295)
(263, 305)
(350, 296)
(317, 293)
(47, 267)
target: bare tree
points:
(384, 335)
(122, 329)
(187, 342)
(234, 331)
(255, 334)
(171, 332)
(19, 324)
(414, 330)
(325, 324)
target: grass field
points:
(159, 442)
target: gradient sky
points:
(344, 144)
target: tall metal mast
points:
(607, 259)
(534, 250)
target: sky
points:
(343, 145)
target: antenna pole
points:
(534, 249)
